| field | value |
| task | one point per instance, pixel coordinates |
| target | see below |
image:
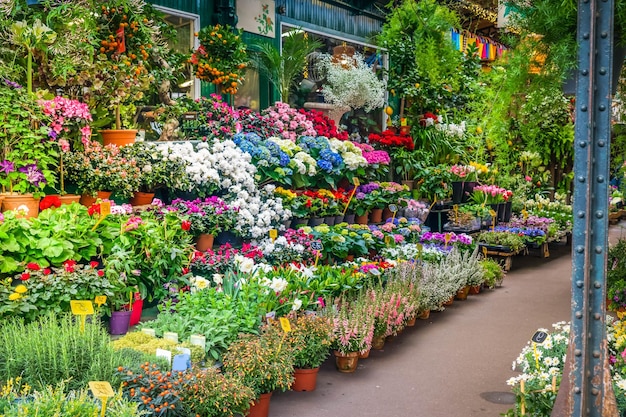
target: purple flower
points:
(12, 83)
(33, 175)
(7, 167)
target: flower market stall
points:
(265, 240)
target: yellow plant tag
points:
(273, 234)
(388, 240)
(100, 300)
(105, 208)
(81, 307)
(356, 181)
(492, 213)
(484, 251)
(101, 389)
(284, 323)
(525, 214)
(403, 121)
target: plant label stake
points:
(198, 340)
(171, 336)
(538, 338)
(388, 241)
(105, 210)
(356, 184)
(447, 239)
(394, 209)
(494, 219)
(150, 332)
(100, 300)
(525, 214)
(420, 249)
(456, 212)
(317, 247)
(286, 326)
(82, 308)
(273, 234)
(167, 354)
(103, 391)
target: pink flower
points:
(527, 178)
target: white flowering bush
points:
(452, 129)
(222, 168)
(353, 84)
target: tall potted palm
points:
(283, 67)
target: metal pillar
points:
(590, 234)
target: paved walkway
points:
(456, 363)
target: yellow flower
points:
(479, 130)
(389, 111)
(21, 289)
(15, 296)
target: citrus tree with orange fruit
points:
(221, 58)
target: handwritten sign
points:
(284, 323)
(81, 307)
(100, 300)
(539, 337)
(317, 245)
(103, 391)
(273, 234)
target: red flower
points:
(94, 264)
(25, 276)
(95, 208)
(185, 225)
(185, 271)
(49, 201)
(46, 271)
(33, 266)
(100, 272)
(69, 265)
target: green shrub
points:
(52, 349)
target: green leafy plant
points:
(217, 395)
(262, 362)
(148, 344)
(310, 338)
(492, 272)
(53, 348)
(282, 69)
(513, 241)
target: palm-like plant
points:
(283, 67)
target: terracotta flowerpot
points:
(364, 355)
(475, 289)
(16, 201)
(424, 315)
(362, 219)
(376, 215)
(346, 363)
(204, 242)
(88, 200)
(411, 322)
(69, 198)
(141, 199)
(304, 379)
(261, 406)
(462, 293)
(387, 214)
(449, 302)
(349, 258)
(378, 342)
(118, 137)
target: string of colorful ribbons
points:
(488, 49)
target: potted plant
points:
(492, 272)
(27, 153)
(127, 40)
(221, 58)
(213, 394)
(262, 362)
(501, 240)
(353, 331)
(350, 83)
(207, 216)
(282, 69)
(99, 169)
(310, 338)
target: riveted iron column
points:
(591, 177)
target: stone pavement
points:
(456, 363)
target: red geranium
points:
(323, 125)
(49, 201)
(390, 139)
(25, 276)
(94, 264)
(33, 266)
(69, 265)
(185, 225)
(95, 208)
